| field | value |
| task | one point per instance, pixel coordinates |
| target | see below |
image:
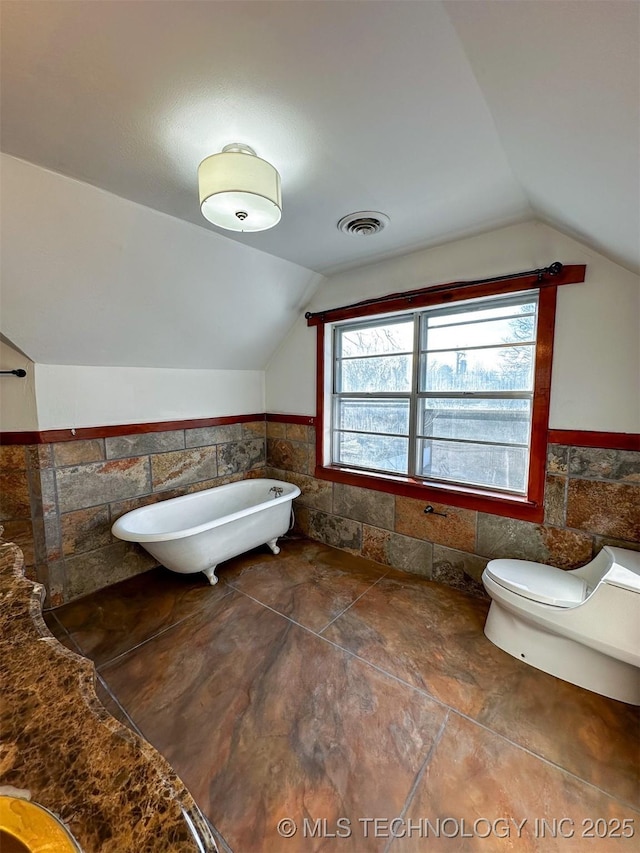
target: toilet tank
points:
(624, 569)
(612, 563)
(609, 619)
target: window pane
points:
(374, 415)
(496, 369)
(466, 416)
(504, 421)
(488, 313)
(475, 464)
(510, 331)
(384, 373)
(373, 340)
(372, 451)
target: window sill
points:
(495, 503)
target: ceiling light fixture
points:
(239, 191)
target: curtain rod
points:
(19, 372)
(551, 271)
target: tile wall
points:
(592, 499)
(15, 502)
(58, 501)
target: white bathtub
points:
(193, 533)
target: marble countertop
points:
(112, 790)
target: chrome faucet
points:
(277, 489)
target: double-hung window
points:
(442, 395)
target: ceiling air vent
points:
(363, 223)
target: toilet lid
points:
(538, 582)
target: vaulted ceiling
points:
(450, 117)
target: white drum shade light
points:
(239, 191)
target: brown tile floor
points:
(324, 688)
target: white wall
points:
(17, 396)
(596, 364)
(72, 397)
(90, 278)
(169, 320)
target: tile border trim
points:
(590, 438)
(83, 433)
(305, 420)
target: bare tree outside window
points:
(455, 408)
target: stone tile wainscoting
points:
(15, 501)
(60, 499)
(592, 499)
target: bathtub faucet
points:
(277, 489)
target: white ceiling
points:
(452, 118)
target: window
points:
(444, 395)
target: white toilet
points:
(582, 626)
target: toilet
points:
(582, 626)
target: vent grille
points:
(364, 223)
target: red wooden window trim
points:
(531, 507)
(304, 420)
(591, 438)
(541, 395)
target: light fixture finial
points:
(238, 148)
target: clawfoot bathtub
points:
(193, 533)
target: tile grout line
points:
(154, 636)
(379, 669)
(419, 776)
(299, 624)
(58, 526)
(565, 495)
(388, 571)
(278, 613)
(76, 648)
(355, 600)
(130, 723)
(635, 808)
(451, 709)
(348, 651)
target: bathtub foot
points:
(211, 575)
(272, 544)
